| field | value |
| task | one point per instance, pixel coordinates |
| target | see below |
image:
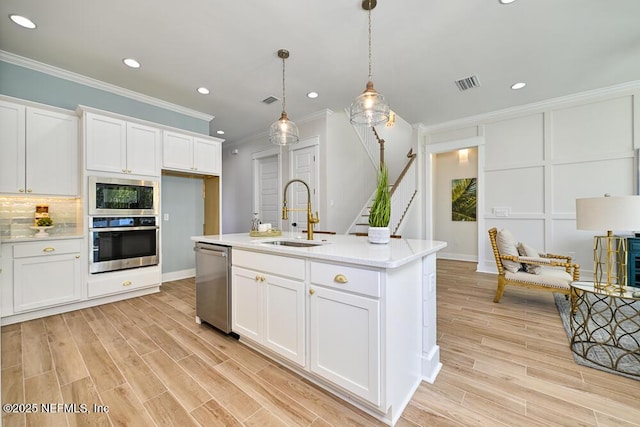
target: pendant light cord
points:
(283, 94)
(370, 76)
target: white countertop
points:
(338, 247)
(20, 239)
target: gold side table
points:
(605, 327)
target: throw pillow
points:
(507, 246)
(527, 251)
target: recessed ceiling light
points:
(23, 21)
(220, 132)
(203, 91)
(517, 86)
(312, 95)
(506, 1)
(130, 62)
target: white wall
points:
(540, 158)
(461, 236)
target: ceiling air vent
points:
(270, 100)
(468, 83)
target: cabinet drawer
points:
(280, 265)
(50, 247)
(357, 280)
(123, 282)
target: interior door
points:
(268, 190)
(304, 167)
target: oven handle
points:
(155, 227)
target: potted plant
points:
(42, 225)
(380, 212)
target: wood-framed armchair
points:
(554, 272)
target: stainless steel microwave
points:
(119, 196)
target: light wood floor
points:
(505, 364)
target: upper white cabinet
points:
(39, 151)
(119, 146)
(193, 154)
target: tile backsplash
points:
(17, 215)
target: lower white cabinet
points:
(46, 274)
(344, 328)
(365, 326)
(269, 310)
(118, 282)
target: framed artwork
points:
(463, 199)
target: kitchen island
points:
(356, 318)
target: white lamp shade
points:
(608, 213)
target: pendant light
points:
(370, 107)
(283, 131)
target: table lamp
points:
(609, 252)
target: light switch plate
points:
(502, 211)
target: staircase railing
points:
(369, 141)
(402, 193)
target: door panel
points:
(304, 167)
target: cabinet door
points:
(46, 281)
(177, 151)
(106, 142)
(246, 313)
(284, 318)
(207, 156)
(143, 150)
(52, 153)
(345, 347)
(12, 147)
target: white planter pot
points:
(379, 234)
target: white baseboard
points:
(457, 257)
(177, 275)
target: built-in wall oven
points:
(122, 197)
(122, 242)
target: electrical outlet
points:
(165, 217)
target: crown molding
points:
(596, 94)
(97, 84)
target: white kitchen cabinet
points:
(268, 308)
(39, 151)
(193, 154)
(119, 282)
(118, 146)
(368, 313)
(344, 328)
(46, 274)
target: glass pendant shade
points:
(283, 131)
(369, 108)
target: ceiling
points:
(420, 47)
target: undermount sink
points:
(294, 243)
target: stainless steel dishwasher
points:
(213, 285)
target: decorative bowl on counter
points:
(42, 231)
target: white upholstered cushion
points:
(549, 276)
(507, 246)
(527, 251)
